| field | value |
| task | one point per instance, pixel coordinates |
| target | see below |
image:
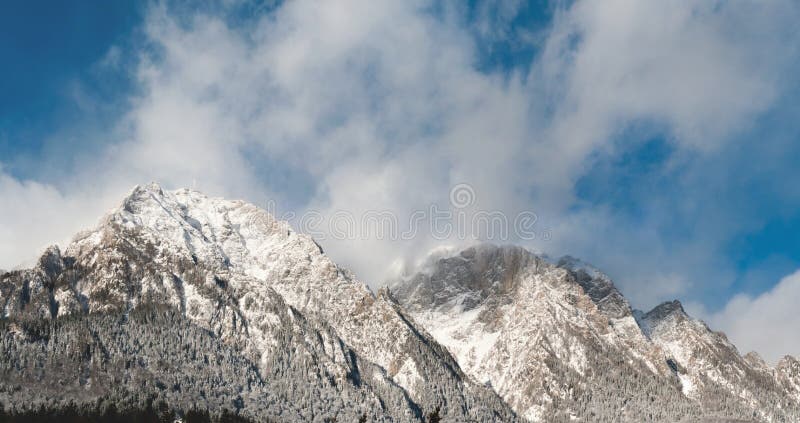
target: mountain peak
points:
(664, 312)
(153, 187)
(50, 261)
(789, 361)
(754, 359)
(236, 272)
(141, 191)
(598, 286)
(554, 340)
(514, 319)
(467, 278)
(666, 309)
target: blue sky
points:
(51, 51)
(659, 143)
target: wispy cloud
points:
(363, 106)
(766, 323)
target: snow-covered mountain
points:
(712, 370)
(250, 282)
(558, 341)
(177, 303)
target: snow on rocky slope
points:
(559, 341)
(169, 279)
(713, 372)
(525, 327)
(223, 264)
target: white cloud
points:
(381, 106)
(703, 70)
(35, 216)
(766, 323)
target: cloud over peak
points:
(359, 106)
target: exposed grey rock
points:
(232, 270)
(528, 329)
(598, 286)
(712, 371)
(182, 302)
(559, 341)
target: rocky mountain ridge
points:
(178, 303)
(553, 336)
(250, 281)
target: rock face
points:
(266, 295)
(180, 305)
(714, 373)
(526, 328)
(599, 287)
(559, 342)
